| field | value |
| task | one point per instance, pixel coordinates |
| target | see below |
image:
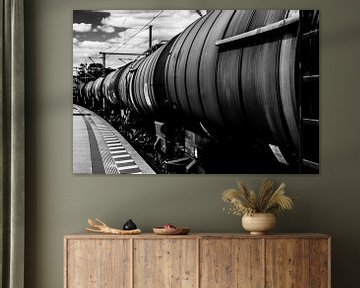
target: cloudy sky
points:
(123, 31)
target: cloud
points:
(116, 33)
(82, 50)
(106, 29)
(165, 27)
(82, 27)
(138, 18)
(89, 16)
(93, 44)
(75, 40)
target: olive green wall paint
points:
(59, 202)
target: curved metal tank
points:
(111, 85)
(81, 91)
(237, 88)
(106, 86)
(148, 86)
(96, 89)
(123, 87)
(87, 91)
(125, 84)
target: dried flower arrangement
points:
(246, 202)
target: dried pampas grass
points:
(245, 201)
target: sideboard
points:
(197, 260)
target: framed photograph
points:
(195, 91)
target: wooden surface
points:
(287, 263)
(197, 260)
(320, 259)
(98, 263)
(231, 263)
(89, 235)
(165, 263)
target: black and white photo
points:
(196, 92)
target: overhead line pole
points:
(150, 35)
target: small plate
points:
(171, 231)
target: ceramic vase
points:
(259, 223)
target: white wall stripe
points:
(137, 173)
(117, 148)
(124, 161)
(121, 156)
(127, 167)
(118, 152)
(114, 144)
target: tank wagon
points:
(226, 87)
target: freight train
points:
(221, 97)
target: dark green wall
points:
(59, 202)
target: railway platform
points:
(99, 149)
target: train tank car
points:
(126, 84)
(107, 87)
(97, 91)
(88, 93)
(237, 89)
(148, 87)
(81, 93)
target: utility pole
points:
(103, 61)
(150, 35)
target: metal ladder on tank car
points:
(309, 91)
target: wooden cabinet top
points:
(86, 235)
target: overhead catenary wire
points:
(95, 54)
(140, 30)
(135, 34)
(117, 46)
(121, 25)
